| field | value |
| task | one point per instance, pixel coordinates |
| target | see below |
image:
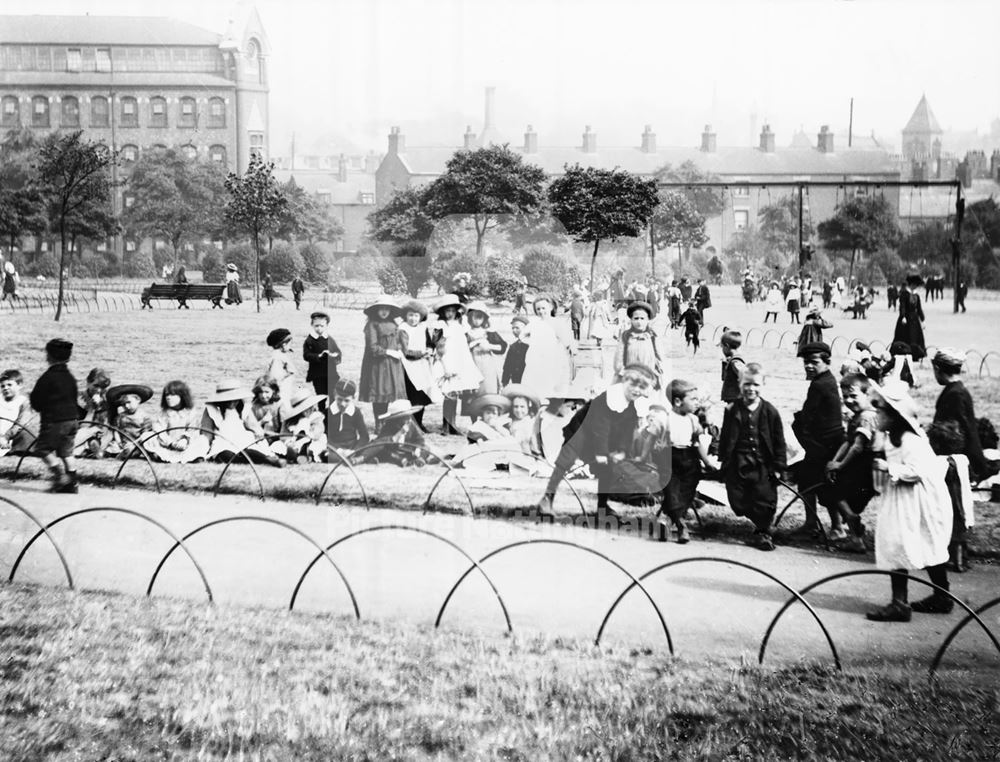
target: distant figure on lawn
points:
(298, 289)
(233, 295)
(910, 323)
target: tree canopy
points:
(709, 202)
(863, 223)
(602, 204)
(22, 207)
(306, 217)
(486, 184)
(404, 219)
(73, 172)
(779, 225)
(676, 222)
(256, 204)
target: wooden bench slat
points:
(183, 292)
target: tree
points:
(306, 217)
(315, 263)
(414, 265)
(404, 218)
(863, 223)
(22, 207)
(174, 198)
(602, 204)
(779, 225)
(676, 222)
(486, 184)
(546, 271)
(709, 202)
(91, 221)
(72, 172)
(256, 203)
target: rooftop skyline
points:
(349, 70)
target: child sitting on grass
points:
(346, 429)
(397, 426)
(234, 429)
(126, 414)
(686, 453)
(850, 470)
(266, 405)
(302, 428)
(94, 404)
(753, 456)
(18, 422)
(179, 445)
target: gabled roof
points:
(341, 193)
(923, 119)
(726, 162)
(102, 30)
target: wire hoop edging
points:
(787, 332)
(768, 332)
(958, 628)
(343, 461)
(418, 530)
(199, 429)
(715, 333)
(130, 512)
(537, 458)
(871, 572)
(243, 451)
(266, 520)
(983, 364)
(107, 426)
(750, 333)
(22, 427)
(566, 543)
(833, 344)
(729, 562)
(797, 495)
(45, 531)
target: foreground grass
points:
(97, 676)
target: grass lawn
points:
(99, 676)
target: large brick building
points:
(139, 82)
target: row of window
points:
(130, 153)
(123, 59)
(157, 113)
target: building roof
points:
(939, 202)
(923, 119)
(102, 30)
(326, 182)
(122, 80)
(728, 162)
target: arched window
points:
(255, 59)
(39, 111)
(70, 111)
(130, 112)
(10, 111)
(98, 111)
(158, 147)
(130, 154)
(216, 112)
(217, 154)
(189, 113)
(189, 151)
(157, 112)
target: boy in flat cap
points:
(732, 365)
(54, 397)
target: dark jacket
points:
(732, 368)
(514, 362)
(321, 368)
(819, 425)
(771, 435)
(955, 404)
(54, 395)
(703, 297)
(346, 431)
(595, 429)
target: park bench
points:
(184, 292)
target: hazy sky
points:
(349, 69)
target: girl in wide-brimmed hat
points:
(524, 406)
(452, 367)
(125, 413)
(915, 517)
(233, 430)
(812, 329)
(487, 347)
(420, 387)
(548, 363)
(382, 377)
(303, 427)
(489, 412)
(639, 343)
(397, 427)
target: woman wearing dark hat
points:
(910, 323)
(233, 295)
(548, 362)
(382, 377)
(280, 369)
(812, 329)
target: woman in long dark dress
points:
(910, 323)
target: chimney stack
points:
(531, 140)
(397, 141)
(648, 140)
(371, 163)
(470, 138)
(708, 140)
(489, 135)
(342, 168)
(824, 140)
(589, 140)
(767, 139)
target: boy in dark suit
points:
(517, 350)
(753, 456)
(323, 356)
(54, 397)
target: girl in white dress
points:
(179, 445)
(420, 387)
(453, 368)
(548, 363)
(914, 518)
(280, 369)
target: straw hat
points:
(639, 305)
(414, 306)
(142, 391)
(485, 400)
(230, 390)
(478, 305)
(301, 400)
(399, 409)
(231, 267)
(520, 390)
(896, 395)
(449, 300)
(382, 300)
(278, 337)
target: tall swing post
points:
(956, 245)
(802, 251)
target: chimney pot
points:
(342, 168)
(397, 141)
(589, 140)
(767, 139)
(469, 138)
(648, 140)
